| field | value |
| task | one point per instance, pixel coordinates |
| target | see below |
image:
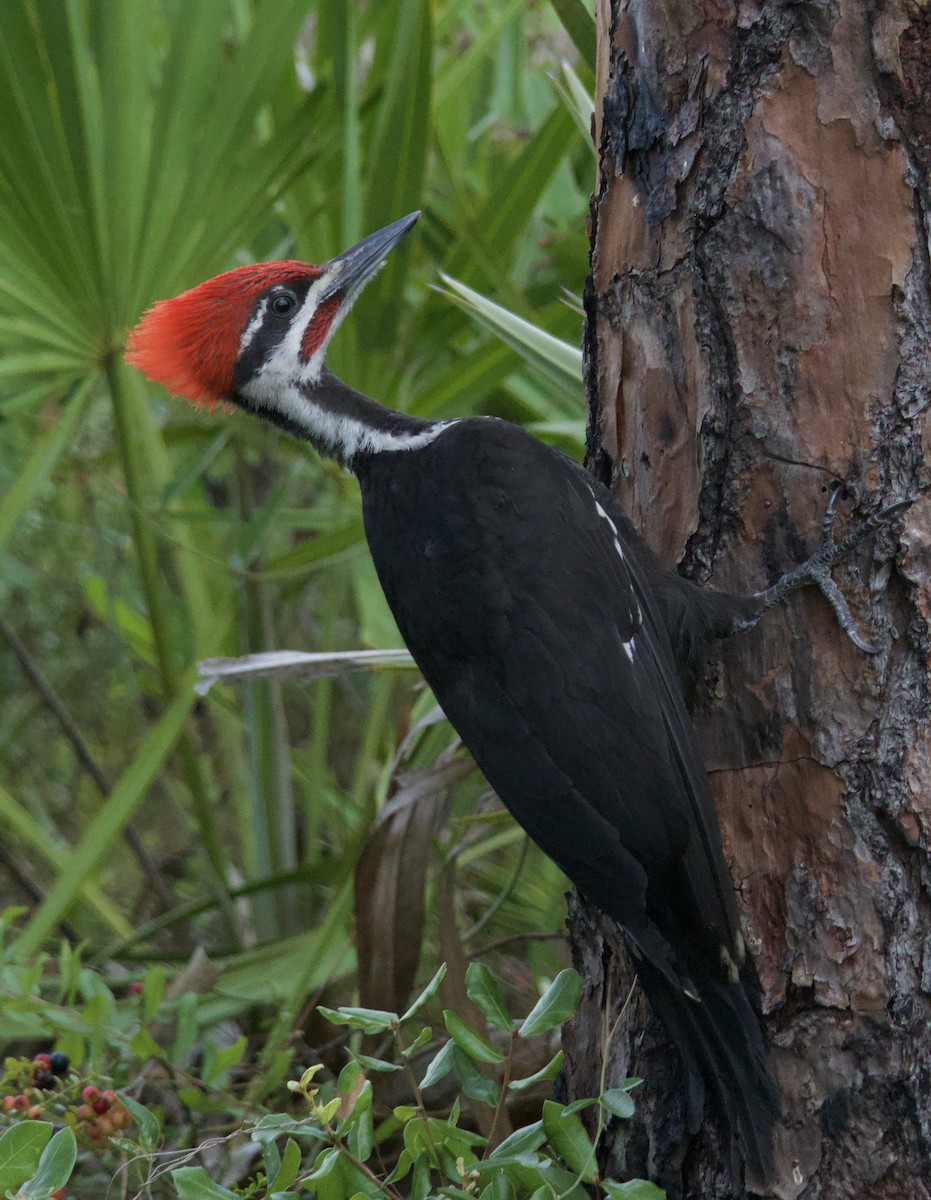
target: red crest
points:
(191, 343)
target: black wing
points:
(526, 606)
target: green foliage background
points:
(278, 825)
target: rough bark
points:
(757, 327)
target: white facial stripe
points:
(340, 436)
(252, 328)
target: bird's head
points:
(255, 334)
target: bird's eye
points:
(283, 304)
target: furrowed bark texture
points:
(758, 324)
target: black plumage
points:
(526, 600)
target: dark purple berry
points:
(44, 1079)
(60, 1062)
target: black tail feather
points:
(720, 1040)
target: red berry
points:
(8, 1104)
(20, 1102)
(90, 1093)
(44, 1059)
(101, 1106)
(84, 1112)
(110, 1096)
(135, 988)
(35, 1112)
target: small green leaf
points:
(404, 1164)
(475, 1085)
(483, 989)
(633, 1189)
(557, 1004)
(468, 1040)
(568, 1137)
(419, 1041)
(374, 1064)
(499, 1189)
(145, 1119)
(326, 1161)
(521, 1141)
(369, 1020)
(550, 1071)
(193, 1183)
(290, 1165)
(427, 994)
(578, 1105)
(618, 1101)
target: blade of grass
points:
(35, 475)
(556, 360)
(114, 815)
(578, 22)
(48, 846)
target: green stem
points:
(418, 1096)
(152, 585)
(502, 1095)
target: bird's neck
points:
(337, 420)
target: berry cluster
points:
(101, 1114)
(42, 1088)
(40, 1075)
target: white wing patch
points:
(604, 516)
(629, 649)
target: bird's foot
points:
(817, 569)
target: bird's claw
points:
(817, 569)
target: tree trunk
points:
(757, 327)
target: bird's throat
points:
(338, 421)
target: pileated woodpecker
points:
(547, 631)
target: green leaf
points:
(557, 1004)
(475, 1084)
(568, 1137)
(193, 1183)
(55, 1167)
(578, 22)
(374, 1064)
(325, 1163)
(21, 1149)
(618, 1101)
(560, 363)
(145, 1119)
(369, 1020)
(521, 1141)
(633, 1189)
(427, 994)
(440, 1066)
(500, 1188)
(468, 1040)
(482, 987)
(550, 1071)
(290, 1165)
(37, 472)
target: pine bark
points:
(758, 319)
